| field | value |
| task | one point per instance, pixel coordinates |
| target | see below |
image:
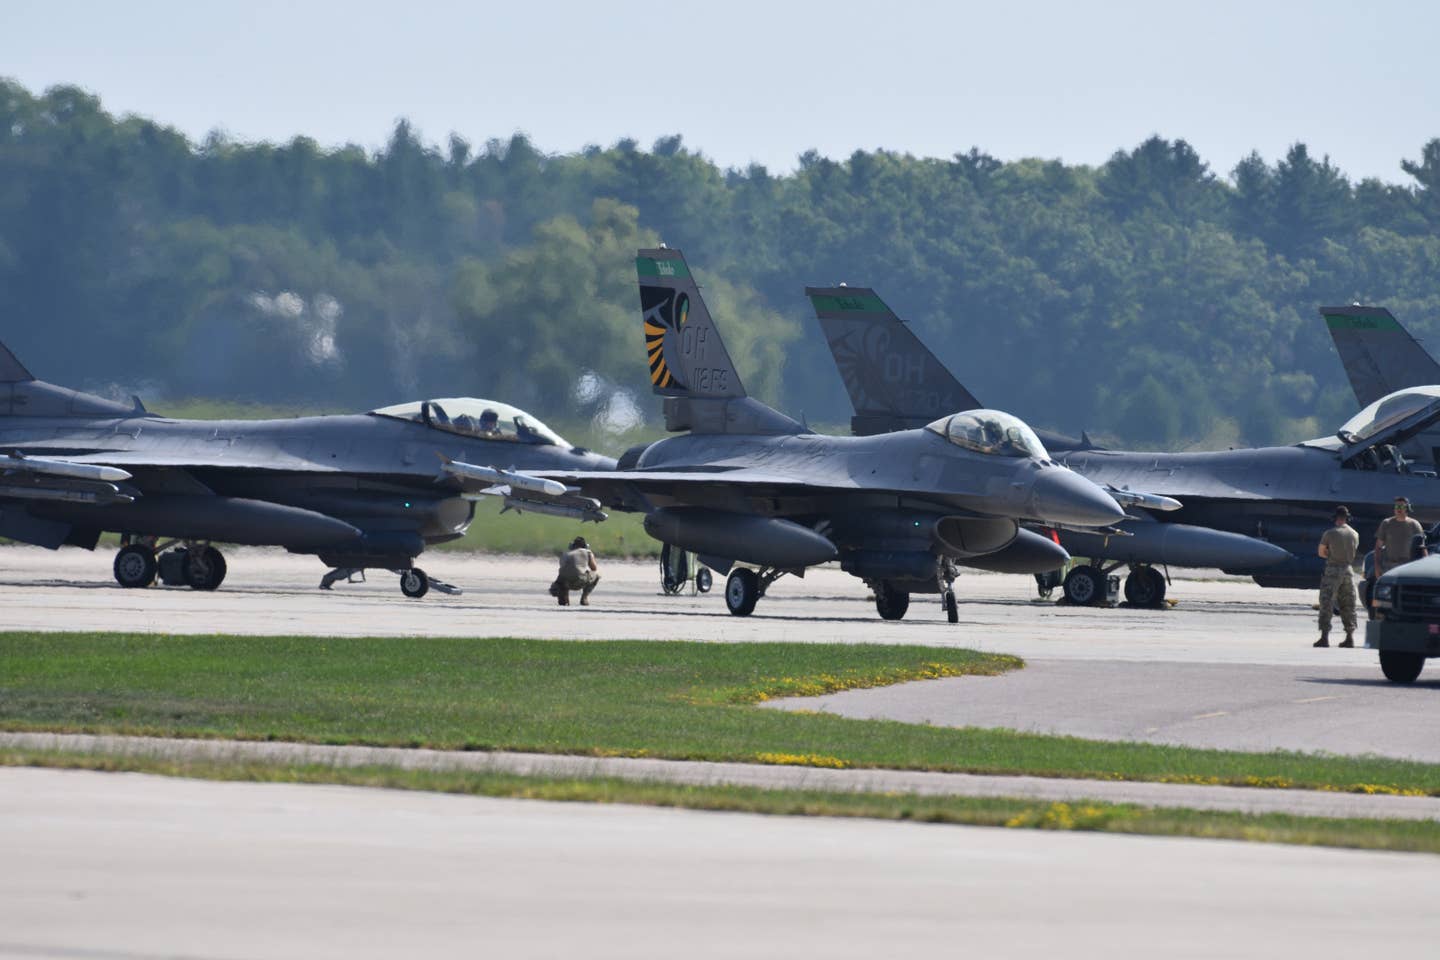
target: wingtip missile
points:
(64, 468)
(494, 477)
(1145, 501)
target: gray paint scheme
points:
(1380, 356)
(359, 491)
(1255, 511)
(896, 510)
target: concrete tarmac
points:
(1256, 707)
(1223, 620)
(1230, 666)
(129, 867)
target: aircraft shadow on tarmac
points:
(1377, 681)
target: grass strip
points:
(671, 699)
(1391, 835)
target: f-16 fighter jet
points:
(1257, 512)
(368, 491)
(746, 484)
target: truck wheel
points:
(1400, 666)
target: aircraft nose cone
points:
(1059, 496)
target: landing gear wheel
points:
(742, 591)
(135, 566)
(1145, 587)
(891, 603)
(1400, 666)
(1084, 586)
(414, 583)
(204, 568)
(952, 612)
(703, 580)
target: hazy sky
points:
(763, 82)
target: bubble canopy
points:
(990, 432)
(1386, 412)
(473, 417)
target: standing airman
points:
(1395, 536)
(1338, 546)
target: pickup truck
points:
(1406, 628)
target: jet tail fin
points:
(11, 370)
(689, 364)
(894, 381)
(1380, 355)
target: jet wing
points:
(224, 457)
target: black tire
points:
(1085, 586)
(890, 602)
(204, 568)
(742, 591)
(668, 584)
(952, 610)
(1400, 666)
(414, 583)
(1145, 587)
(703, 580)
(135, 566)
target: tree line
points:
(1150, 300)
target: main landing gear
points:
(141, 560)
(414, 582)
(1089, 585)
(744, 588)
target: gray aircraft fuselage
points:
(1283, 495)
(886, 506)
(358, 491)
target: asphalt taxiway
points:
(130, 867)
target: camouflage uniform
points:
(1395, 536)
(575, 574)
(1337, 584)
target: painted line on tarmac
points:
(1314, 699)
(1309, 803)
(1211, 716)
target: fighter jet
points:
(368, 491)
(1257, 512)
(746, 484)
(1380, 357)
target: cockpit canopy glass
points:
(472, 417)
(1386, 412)
(991, 432)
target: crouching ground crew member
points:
(1338, 546)
(577, 572)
